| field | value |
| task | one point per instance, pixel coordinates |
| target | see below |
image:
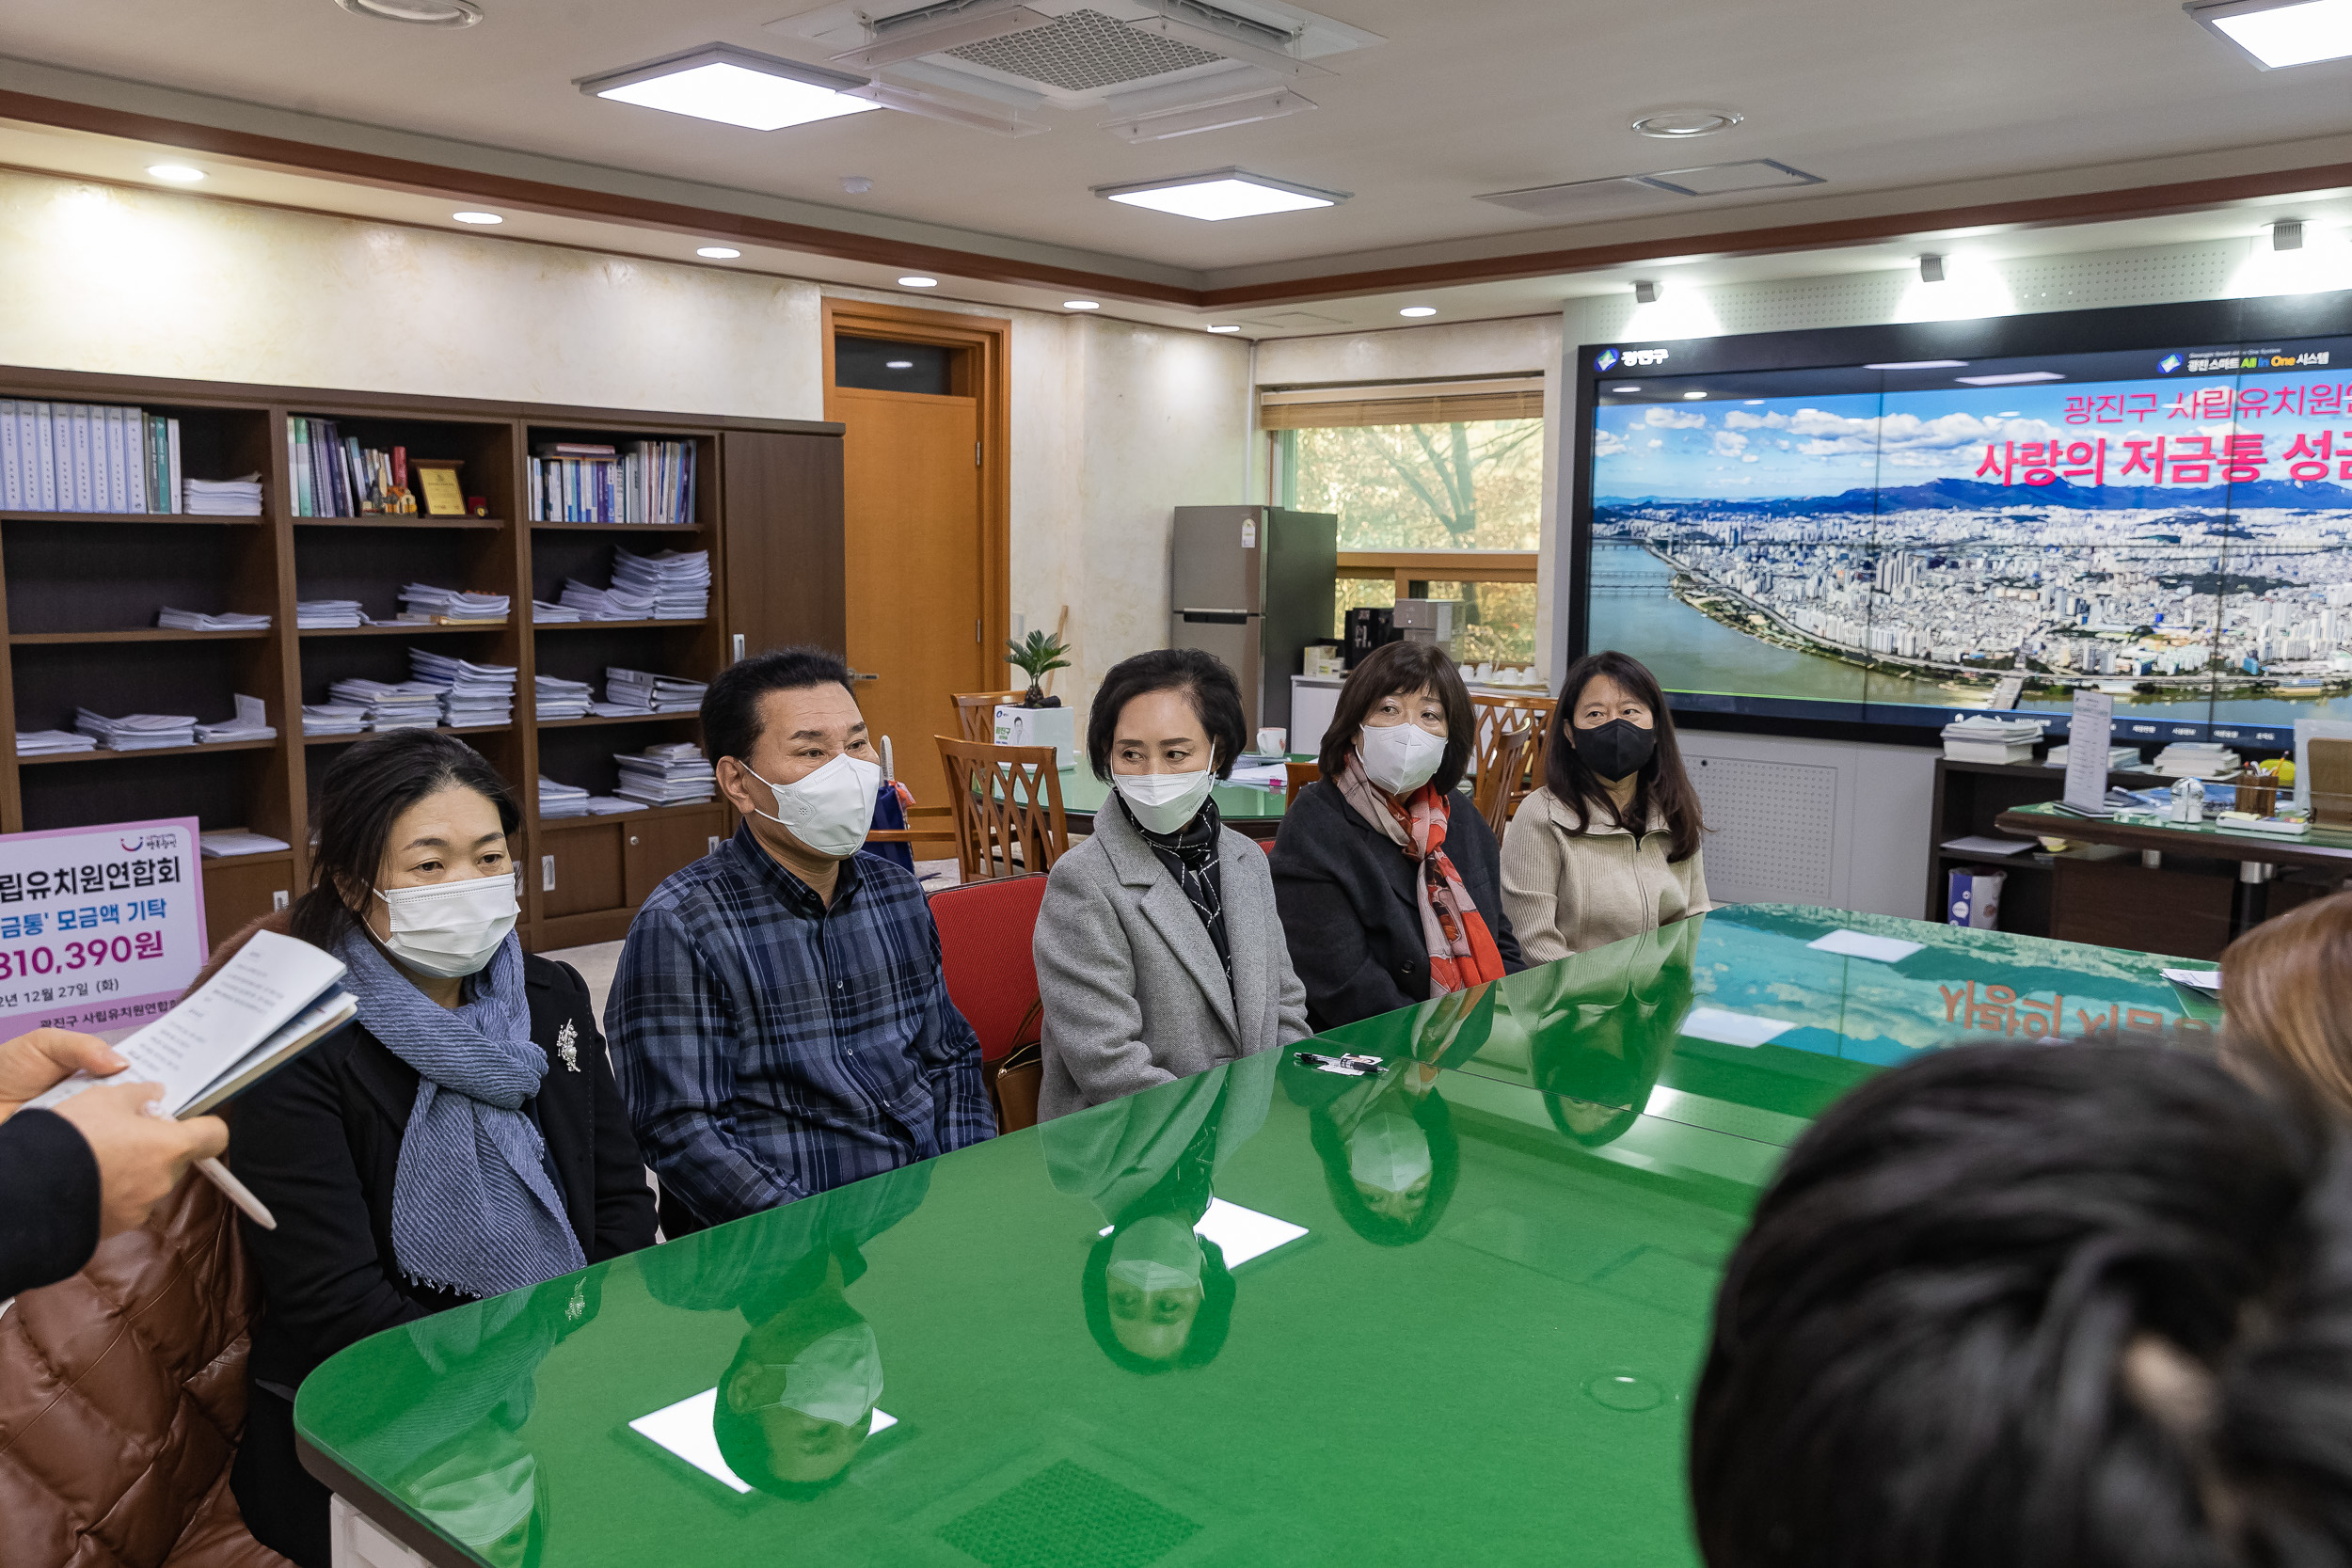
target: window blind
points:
(1441, 408)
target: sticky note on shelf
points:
(1727, 1028)
(1860, 944)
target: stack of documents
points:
(560, 800)
(545, 614)
(333, 719)
(2197, 760)
(673, 775)
(137, 732)
(1983, 740)
(636, 691)
(328, 614)
(607, 604)
(251, 723)
(605, 805)
(196, 620)
(391, 705)
(225, 498)
(678, 581)
(471, 693)
(236, 841)
(50, 743)
(422, 601)
(2120, 759)
(560, 698)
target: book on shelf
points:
(87, 457)
(334, 476)
(586, 481)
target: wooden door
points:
(912, 564)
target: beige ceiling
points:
(1897, 106)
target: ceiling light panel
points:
(734, 86)
(179, 174)
(1221, 194)
(2279, 33)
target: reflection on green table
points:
(1451, 1313)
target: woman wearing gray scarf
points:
(462, 1139)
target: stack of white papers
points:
(636, 691)
(544, 613)
(251, 723)
(422, 600)
(678, 581)
(196, 620)
(2201, 760)
(605, 805)
(391, 705)
(224, 497)
(2120, 759)
(328, 614)
(1982, 739)
(333, 719)
(560, 800)
(236, 841)
(471, 693)
(48, 743)
(607, 604)
(560, 698)
(671, 775)
(137, 732)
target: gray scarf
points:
(474, 1209)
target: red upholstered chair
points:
(984, 934)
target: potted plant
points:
(1037, 656)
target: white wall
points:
(1113, 425)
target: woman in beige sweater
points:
(1609, 847)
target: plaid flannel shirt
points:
(771, 1046)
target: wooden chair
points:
(1007, 801)
(1493, 796)
(975, 711)
(1493, 717)
(1299, 775)
(914, 832)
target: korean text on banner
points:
(100, 928)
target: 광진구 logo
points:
(1605, 361)
(2170, 363)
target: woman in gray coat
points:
(1159, 953)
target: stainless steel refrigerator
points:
(1254, 585)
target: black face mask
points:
(1616, 750)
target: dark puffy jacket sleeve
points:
(49, 1201)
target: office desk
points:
(1497, 1370)
(2118, 901)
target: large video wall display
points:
(1900, 541)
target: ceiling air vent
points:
(1082, 51)
(1631, 193)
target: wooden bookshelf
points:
(78, 627)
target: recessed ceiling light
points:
(1221, 194)
(1419, 310)
(898, 364)
(1916, 365)
(918, 282)
(1682, 124)
(179, 174)
(1225, 330)
(2009, 380)
(734, 86)
(719, 252)
(1693, 395)
(2280, 32)
(1082, 305)
(420, 13)
(477, 217)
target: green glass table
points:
(1450, 1311)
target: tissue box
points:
(1041, 726)
(1976, 898)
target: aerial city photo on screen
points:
(2173, 527)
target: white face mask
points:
(837, 1378)
(451, 928)
(831, 808)
(1400, 758)
(1390, 1152)
(1164, 802)
(1157, 1253)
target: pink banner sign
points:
(100, 928)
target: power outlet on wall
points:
(547, 873)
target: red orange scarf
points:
(1461, 950)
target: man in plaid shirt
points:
(780, 1023)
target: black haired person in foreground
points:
(2023, 1307)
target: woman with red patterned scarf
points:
(1387, 877)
